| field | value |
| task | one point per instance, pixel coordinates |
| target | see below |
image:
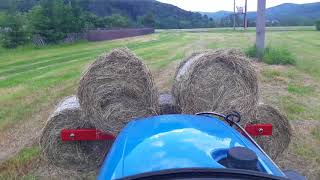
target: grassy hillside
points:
(33, 80)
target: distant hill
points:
(166, 15)
(217, 15)
(287, 14)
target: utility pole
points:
(261, 27)
(234, 15)
(245, 19)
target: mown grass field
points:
(33, 79)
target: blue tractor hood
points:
(175, 141)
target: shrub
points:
(54, 20)
(273, 55)
(318, 25)
(14, 33)
(251, 51)
(278, 56)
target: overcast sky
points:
(217, 5)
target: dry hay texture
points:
(220, 80)
(80, 156)
(115, 89)
(167, 104)
(279, 141)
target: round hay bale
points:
(220, 81)
(279, 141)
(79, 156)
(166, 104)
(231, 51)
(115, 89)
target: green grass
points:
(273, 55)
(292, 91)
(32, 77)
(299, 89)
(278, 56)
(292, 107)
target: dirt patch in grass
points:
(303, 154)
(164, 77)
(20, 165)
(43, 170)
(13, 139)
(294, 92)
(271, 84)
(28, 164)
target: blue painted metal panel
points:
(175, 141)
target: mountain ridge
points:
(284, 14)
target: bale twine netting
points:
(81, 156)
(281, 131)
(115, 89)
(167, 104)
(220, 80)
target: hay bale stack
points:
(166, 103)
(116, 88)
(81, 156)
(279, 141)
(220, 81)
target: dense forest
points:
(164, 15)
(52, 21)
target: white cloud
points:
(217, 5)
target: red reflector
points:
(259, 129)
(85, 135)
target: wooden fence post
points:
(245, 19)
(260, 27)
(234, 14)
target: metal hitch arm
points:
(85, 135)
(259, 129)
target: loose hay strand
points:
(115, 89)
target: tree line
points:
(53, 20)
